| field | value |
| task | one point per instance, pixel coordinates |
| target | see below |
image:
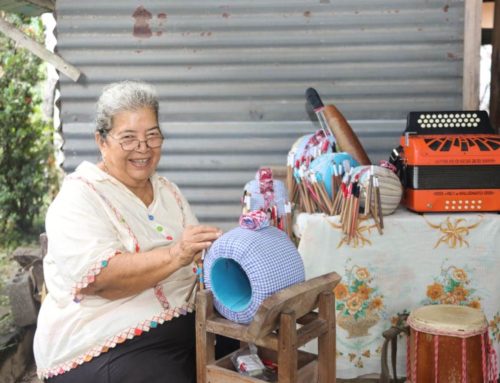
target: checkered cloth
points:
(257, 200)
(268, 258)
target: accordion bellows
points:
(244, 267)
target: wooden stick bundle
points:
(347, 206)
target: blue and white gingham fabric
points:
(267, 256)
(257, 199)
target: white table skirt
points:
(419, 260)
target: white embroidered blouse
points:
(93, 218)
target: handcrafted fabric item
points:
(254, 220)
(301, 154)
(309, 147)
(244, 267)
(259, 199)
(390, 187)
(331, 164)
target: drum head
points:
(450, 320)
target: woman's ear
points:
(99, 140)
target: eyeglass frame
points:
(105, 134)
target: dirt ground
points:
(30, 376)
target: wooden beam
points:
(49, 5)
(472, 46)
(495, 71)
(39, 50)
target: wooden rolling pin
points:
(346, 139)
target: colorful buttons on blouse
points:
(159, 228)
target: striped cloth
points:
(267, 258)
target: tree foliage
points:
(27, 169)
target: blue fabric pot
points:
(244, 267)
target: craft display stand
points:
(284, 322)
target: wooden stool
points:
(274, 331)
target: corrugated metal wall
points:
(232, 75)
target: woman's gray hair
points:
(123, 96)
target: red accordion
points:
(451, 162)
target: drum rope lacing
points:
(488, 357)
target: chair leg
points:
(205, 342)
(326, 343)
(287, 351)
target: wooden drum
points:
(448, 344)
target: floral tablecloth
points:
(419, 260)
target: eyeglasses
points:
(129, 144)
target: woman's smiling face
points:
(133, 168)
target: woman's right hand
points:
(194, 239)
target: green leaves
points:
(27, 170)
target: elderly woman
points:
(122, 242)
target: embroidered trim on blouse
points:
(87, 279)
(98, 266)
(111, 342)
(160, 295)
(177, 197)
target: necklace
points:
(145, 194)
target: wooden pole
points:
(472, 47)
(205, 341)
(495, 71)
(47, 4)
(39, 50)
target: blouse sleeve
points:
(81, 238)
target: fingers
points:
(186, 252)
(202, 229)
(206, 237)
(201, 233)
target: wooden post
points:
(39, 50)
(205, 342)
(495, 71)
(326, 343)
(47, 4)
(287, 348)
(472, 47)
